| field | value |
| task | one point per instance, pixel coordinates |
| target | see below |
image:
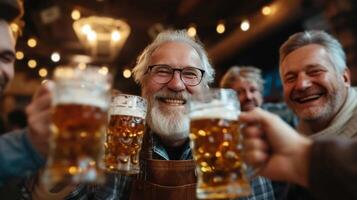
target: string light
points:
(19, 55)
(266, 10)
(55, 57)
(43, 72)
(191, 31)
(76, 14)
(127, 73)
(245, 25)
(221, 28)
(32, 63)
(32, 42)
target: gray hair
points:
(331, 45)
(173, 36)
(249, 73)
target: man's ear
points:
(347, 77)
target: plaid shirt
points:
(118, 187)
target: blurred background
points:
(111, 34)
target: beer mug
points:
(79, 116)
(125, 133)
(217, 145)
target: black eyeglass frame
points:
(173, 72)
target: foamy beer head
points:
(130, 105)
(89, 86)
(215, 103)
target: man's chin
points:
(248, 107)
(311, 114)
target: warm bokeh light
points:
(55, 57)
(32, 42)
(82, 66)
(14, 27)
(127, 73)
(116, 36)
(92, 36)
(86, 29)
(103, 70)
(76, 14)
(44, 81)
(266, 10)
(32, 63)
(220, 28)
(191, 31)
(245, 25)
(20, 55)
(43, 72)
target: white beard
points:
(168, 123)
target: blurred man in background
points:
(248, 82)
(21, 152)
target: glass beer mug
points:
(125, 133)
(216, 144)
(79, 116)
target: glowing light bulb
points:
(221, 28)
(245, 25)
(127, 73)
(191, 31)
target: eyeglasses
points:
(163, 74)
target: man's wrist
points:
(301, 161)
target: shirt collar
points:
(159, 151)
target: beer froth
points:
(81, 97)
(127, 105)
(85, 87)
(216, 110)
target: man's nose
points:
(303, 82)
(248, 94)
(176, 83)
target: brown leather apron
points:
(163, 179)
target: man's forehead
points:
(176, 52)
(245, 82)
(305, 55)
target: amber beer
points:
(216, 145)
(78, 127)
(125, 133)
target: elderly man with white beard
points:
(169, 70)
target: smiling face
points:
(248, 93)
(167, 101)
(7, 55)
(313, 89)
